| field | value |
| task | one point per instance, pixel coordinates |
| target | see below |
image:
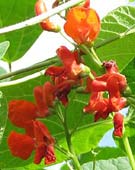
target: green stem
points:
(65, 37)
(129, 151)
(94, 163)
(95, 62)
(70, 147)
(31, 68)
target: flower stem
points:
(95, 62)
(129, 151)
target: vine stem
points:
(71, 149)
(39, 18)
(33, 67)
(69, 142)
(129, 151)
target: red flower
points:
(38, 139)
(40, 8)
(21, 112)
(71, 68)
(112, 83)
(118, 124)
(82, 25)
(44, 98)
(20, 145)
(98, 106)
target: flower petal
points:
(20, 145)
(20, 112)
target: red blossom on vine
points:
(39, 139)
(112, 83)
(71, 68)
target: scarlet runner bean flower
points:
(71, 68)
(118, 121)
(22, 145)
(82, 24)
(113, 83)
(66, 76)
(40, 7)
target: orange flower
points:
(82, 25)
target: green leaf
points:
(113, 164)
(20, 40)
(88, 138)
(116, 39)
(3, 48)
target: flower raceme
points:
(82, 24)
(46, 24)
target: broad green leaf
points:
(3, 48)
(115, 41)
(3, 114)
(113, 164)
(12, 12)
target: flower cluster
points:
(83, 26)
(106, 93)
